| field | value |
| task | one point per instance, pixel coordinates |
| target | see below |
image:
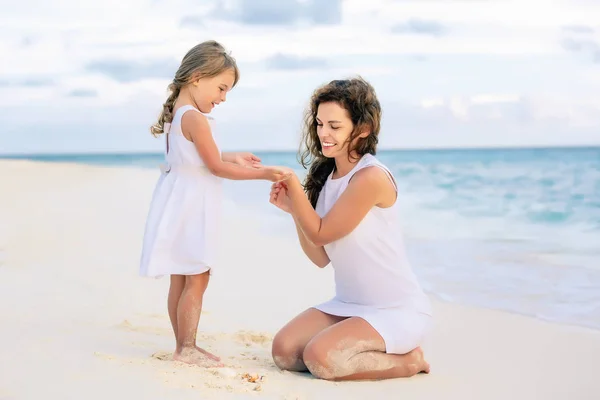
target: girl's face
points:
(208, 92)
(334, 127)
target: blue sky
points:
(86, 76)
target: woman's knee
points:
(286, 352)
(321, 360)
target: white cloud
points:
(521, 110)
(511, 13)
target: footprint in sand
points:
(168, 356)
(250, 338)
(163, 356)
(237, 376)
(256, 343)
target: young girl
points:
(182, 228)
(373, 327)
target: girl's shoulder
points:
(195, 117)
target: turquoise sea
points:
(510, 229)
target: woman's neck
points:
(344, 164)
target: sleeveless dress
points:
(182, 226)
(373, 277)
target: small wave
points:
(549, 216)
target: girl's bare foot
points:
(191, 355)
(208, 354)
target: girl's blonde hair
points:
(205, 60)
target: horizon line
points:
(384, 150)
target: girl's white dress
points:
(183, 222)
(373, 277)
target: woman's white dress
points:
(373, 277)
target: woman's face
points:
(334, 127)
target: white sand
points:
(77, 321)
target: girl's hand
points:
(246, 159)
(279, 197)
(276, 174)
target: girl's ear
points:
(196, 79)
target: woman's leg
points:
(290, 341)
(354, 350)
(188, 316)
(175, 291)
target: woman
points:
(346, 214)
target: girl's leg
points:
(353, 350)
(175, 291)
(290, 341)
(188, 316)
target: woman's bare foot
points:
(191, 355)
(418, 363)
(208, 354)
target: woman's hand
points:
(279, 197)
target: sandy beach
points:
(78, 322)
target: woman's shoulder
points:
(373, 174)
(370, 165)
(370, 174)
(370, 159)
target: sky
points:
(92, 76)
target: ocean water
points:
(516, 230)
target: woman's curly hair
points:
(356, 96)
